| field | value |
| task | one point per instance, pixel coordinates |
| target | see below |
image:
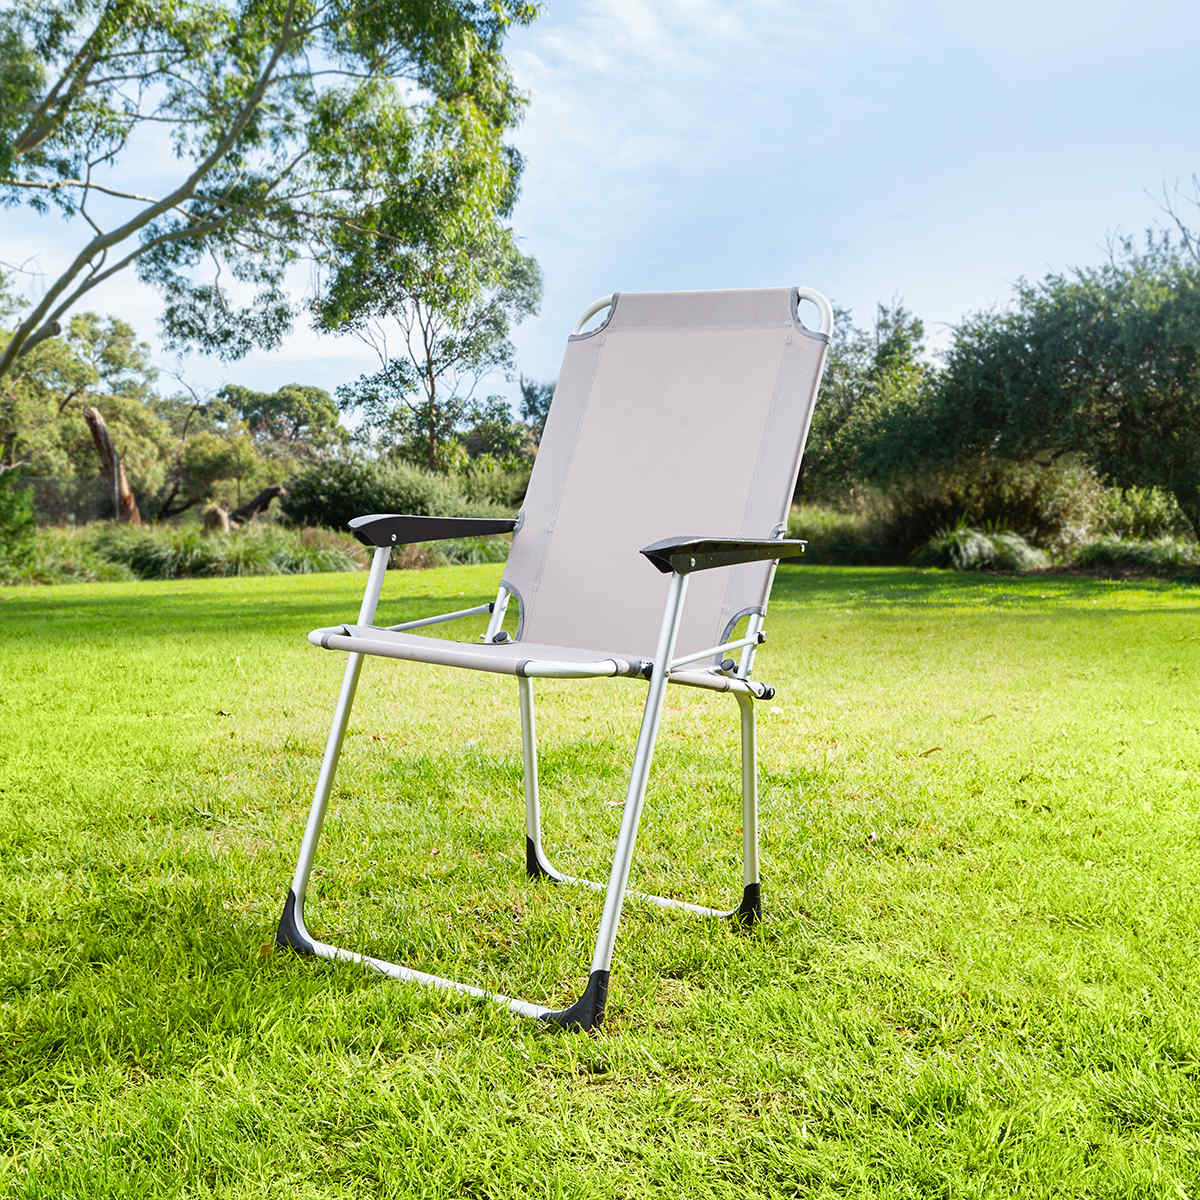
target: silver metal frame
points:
(589, 1010)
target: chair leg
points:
(292, 931)
(749, 912)
(537, 862)
(588, 1011)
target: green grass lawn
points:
(978, 976)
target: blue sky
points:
(933, 151)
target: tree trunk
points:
(125, 507)
(260, 502)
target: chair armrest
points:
(683, 555)
(394, 529)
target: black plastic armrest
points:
(393, 529)
(683, 555)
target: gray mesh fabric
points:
(684, 414)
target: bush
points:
(1140, 514)
(835, 537)
(1055, 506)
(62, 556)
(965, 549)
(331, 493)
(1162, 556)
(497, 482)
(16, 524)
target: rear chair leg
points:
(292, 931)
(537, 866)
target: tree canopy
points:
(287, 128)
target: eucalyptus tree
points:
(439, 316)
(211, 144)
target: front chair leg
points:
(749, 912)
(292, 931)
(588, 1011)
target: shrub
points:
(331, 493)
(62, 556)
(1161, 556)
(1141, 514)
(835, 537)
(1055, 506)
(16, 524)
(965, 549)
(497, 482)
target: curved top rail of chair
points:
(802, 293)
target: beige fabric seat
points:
(665, 472)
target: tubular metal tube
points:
(712, 651)
(749, 791)
(499, 608)
(337, 731)
(635, 796)
(589, 312)
(450, 616)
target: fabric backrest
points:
(683, 414)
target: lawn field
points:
(979, 974)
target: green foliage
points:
(1143, 514)
(453, 305)
(840, 537)
(495, 484)
(1055, 505)
(965, 549)
(172, 553)
(870, 378)
(494, 435)
(1103, 362)
(16, 522)
(297, 422)
(295, 130)
(331, 493)
(1160, 556)
(535, 403)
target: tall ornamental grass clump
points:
(965, 549)
(1159, 556)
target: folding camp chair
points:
(680, 411)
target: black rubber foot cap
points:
(749, 912)
(588, 1011)
(533, 864)
(291, 932)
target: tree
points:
(535, 404)
(97, 367)
(294, 423)
(1102, 361)
(493, 431)
(454, 305)
(870, 376)
(295, 125)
